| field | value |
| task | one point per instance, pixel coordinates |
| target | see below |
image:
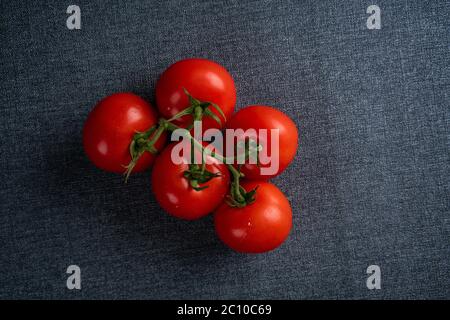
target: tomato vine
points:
(145, 142)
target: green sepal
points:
(248, 197)
(197, 176)
(215, 106)
(209, 113)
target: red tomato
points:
(175, 194)
(264, 117)
(110, 127)
(205, 80)
(258, 227)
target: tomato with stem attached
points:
(188, 191)
(261, 225)
(110, 127)
(206, 81)
(259, 117)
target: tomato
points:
(205, 80)
(265, 117)
(110, 127)
(258, 227)
(174, 192)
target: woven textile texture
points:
(369, 184)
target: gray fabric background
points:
(370, 183)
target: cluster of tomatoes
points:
(125, 134)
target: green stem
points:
(236, 187)
(198, 113)
(141, 142)
(145, 141)
(154, 139)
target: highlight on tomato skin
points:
(110, 127)
(258, 227)
(205, 80)
(265, 117)
(173, 191)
